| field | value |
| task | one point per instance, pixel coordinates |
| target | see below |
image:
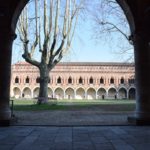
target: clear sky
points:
(85, 48)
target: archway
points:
(91, 93)
(132, 93)
(36, 92)
(59, 93)
(101, 93)
(70, 93)
(26, 93)
(122, 93)
(80, 93)
(50, 92)
(16, 92)
(141, 18)
(112, 93)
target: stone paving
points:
(75, 138)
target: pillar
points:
(142, 75)
(6, 39)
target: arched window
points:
(59, 80)
(80, 80)
(16, 80)
(101, 81)
(70, 80)
(27, 80)
(91, 80)
(38, 80)
(122, 80)
(112, 81)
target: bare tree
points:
(47, 28)
(110, 21)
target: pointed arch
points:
(91, 80)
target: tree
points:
(49, 32)
(111, 22)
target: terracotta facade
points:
(76, 80)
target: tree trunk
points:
(44, 78)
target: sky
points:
(85, 47)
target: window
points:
(80, 80)
(101, 81)
(16, 80)
(59, 80)
(122, 80)
(49, 80)
(38, 80)
(27, 80)
(112, 81)
(70, 80)
(91, 80)
(131, 81)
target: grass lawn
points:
(105, 105)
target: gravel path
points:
(70, 118)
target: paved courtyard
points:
(75, 138)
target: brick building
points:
(76, 80)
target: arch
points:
(101, 93)
(122, 80)
(70, 93)
(128, 13)
(112, 93)
(59, 93)
(59, 80)
(91, 93)
(38, 80)
(80, 80)
(17, 79)
(50, 92)
(101, 80)
(27, 93)
(122, 93)
(36, 92)
(91, 80)
(16, 92)
(112, 81)
(70, 80)
(132, 93)
(27, 80)
(80, 93)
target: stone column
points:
(6, 40)
(142, 75)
